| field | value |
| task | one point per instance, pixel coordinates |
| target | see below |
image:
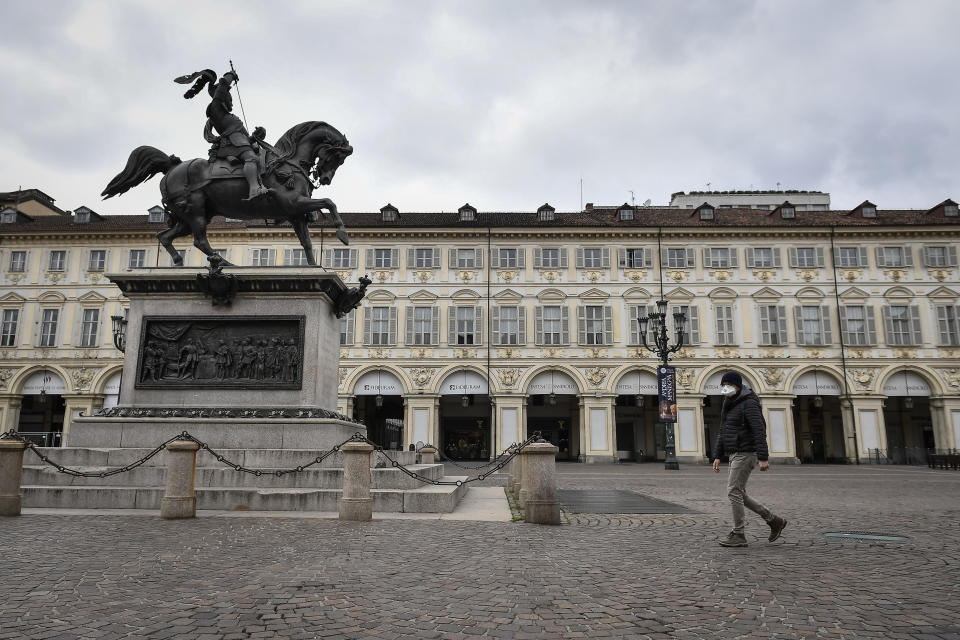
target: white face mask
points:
(728, 391)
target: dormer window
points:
(950, 210)
(867, 209)
(81, 216)
(155, 214)
(467, 213)
(706, 212)
(8, 216)
(626, 212)
(546, 213)
(389, 213)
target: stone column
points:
(179, 499)
(356, 503)
(11, 469)
(10, 404)
(540, 482)
(428, 455)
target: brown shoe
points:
(776, 527)
(734, 540)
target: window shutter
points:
(521, 258)
(820, 261)
(605, 257)
(651, 308)
(607, 325)
(410, 325)
(881, 262)
(452, 325)
(495, 325)
(776, 256)
(563, 258)
(478, 258)
(622, 257)
(956, 327)
(287, 256)
(907, 255)
(579, 257)
(926, 256)
(353, 258)
(564, 325)
(836, 256)
(861, 256)
(951, 256)
(435, 264)
(734, 259)
(915, 325)
(521, 326)
(452, 258)
(707, 262)
(749, 257)
(411, 259)
(887, 324)
(538, 324)
(327, 258)
(664, 257)
(764, 324)
(647, 257)
(392, 330)
(634, 324)
(792, 252)
(582, 325)
(844, 329)
(537, 257)
(782, 324)
(943, 324)
(367, 329)
(871, 325)
(348, 321)
(693, 324)
(478, 325)
(827, 333)
(495, 257)
(435, 325)
(369, 260)
(690, 258)
(798, 323)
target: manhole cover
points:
(866, 535)
(615, 502)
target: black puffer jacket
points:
(742, 427)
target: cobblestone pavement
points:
(96, 576)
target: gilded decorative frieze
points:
(508, 352)
(895, 274)
(464, 354)
(905, 354)
(685, 376)
(423, 276)
(594, 276)
(851, 275)
(421, 376)
(508, 377)
(678, 275)
(551, 276)
(551, 352)
(773, 376)
(466, 276)
(951, 377)
(82, 378)
(727, 352)
(807, 274)
(595, 375)
(764, 275)
(343, 274)
(5, 375)
(596, 352)
(863, 377)
(421, 353)
(381, 276)
(940, 274)
(379, 353)
(721, 275)
(636, 275)
(507, 276)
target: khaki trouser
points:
(741, 464)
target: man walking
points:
(743, 436)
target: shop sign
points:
(906, 384)
(555, 382)
(375, 383)
(821, 384)
(461, 383)
(637, 383)
(45, 381)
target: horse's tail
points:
(144, 163)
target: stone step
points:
(221, 476)
(424, 499)
(253, 458)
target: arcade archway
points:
(639, 435)
(378, 403)
(907, 416)
(42, 408)
(465, 429)
(553, 409)
(817, 418)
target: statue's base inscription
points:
(221, 353)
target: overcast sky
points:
(505, 104)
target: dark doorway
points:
(41, 419)
(384, 423)
(465, 427)
(637, 432)
(909, 428)
(557, 418)
(818, 427)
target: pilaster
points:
(597, 421)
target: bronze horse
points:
(305, 157)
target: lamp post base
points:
(671, 466)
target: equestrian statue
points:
(244, 177)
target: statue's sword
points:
(236, 84)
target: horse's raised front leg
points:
(179, 229)
(303, 235)
(305, 205)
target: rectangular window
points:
(422, 325)
(948, 326)
(90, 328)
(593, 258)
(811, 329)
(380, 325)
(719, 258)
(725, 334)
(806, 257)
(466, 259)
(8, 327)
(263, 257)
(97, 260)
(423, 259)
(509, 325)
(773, 325)
(341, 259)
(898, 325)
(508, 259)
(763, 258)
(346, 329)
(550, 258)
(465, 322)
(848, 257)
(137, 259)
(635, 259)
(936, 256)
(677, 258)
(58, 260)
(383, 259)
(48, 327)
(855, 325)
(18, 261)
(593, 327)
(552, 325)
(296, 258)
(892, 256)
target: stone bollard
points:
(540, 484)
(522, 481)
(513, 471)
(179, 499)
(356, 503)
(428, 455)
(11, 470)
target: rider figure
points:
(234, 138)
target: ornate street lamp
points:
(379, 399)
(661, 348)
(817, 399)
(119, 333)
(907, 401)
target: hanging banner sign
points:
(667, 393)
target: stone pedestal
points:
(428, 455)
(11, 468)
(356, 502)
(540, 483)
(179, 499)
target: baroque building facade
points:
(482, 327)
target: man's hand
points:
(764, 465)
(716, 465)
